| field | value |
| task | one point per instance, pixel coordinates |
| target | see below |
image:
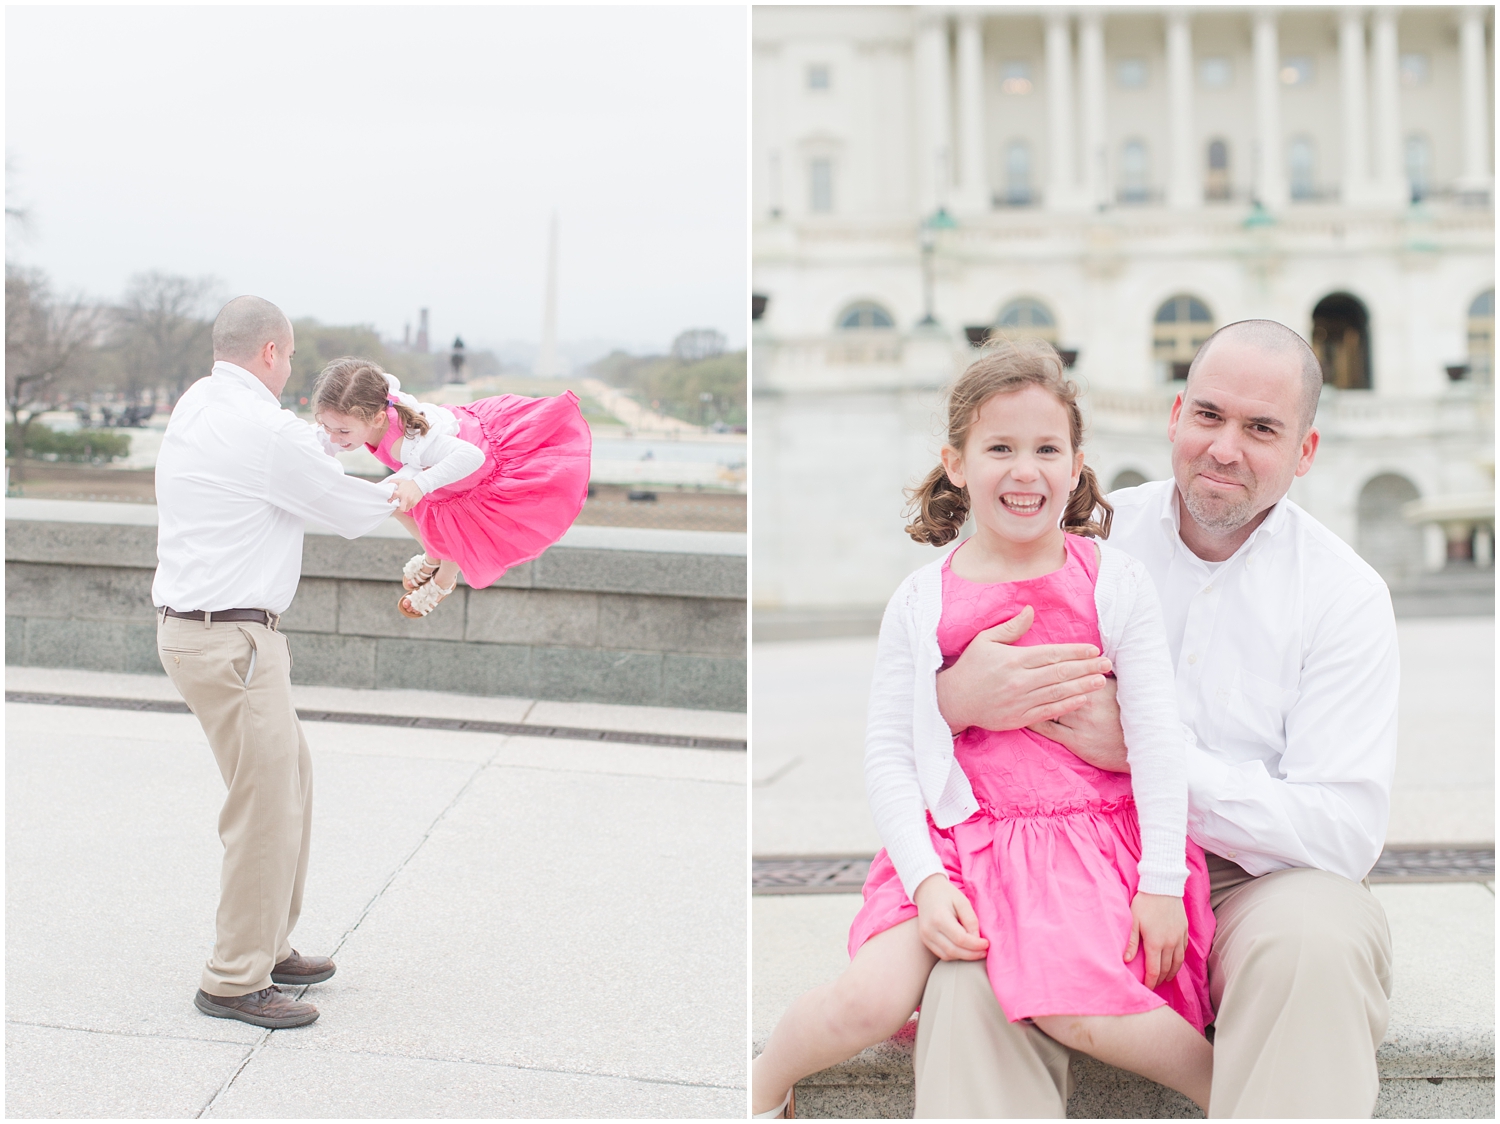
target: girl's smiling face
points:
(1018, 464)
(348, 432)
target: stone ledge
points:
(637, 678)
(1437, 1059)
(605, 559)
(877, 1084)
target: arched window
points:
(1418, 165)
(1216, 184)
(1482, 338)
(1026, 317)
(1135, 173)
(1301, 168)
(865, 314)
(1341, 339)
(1018, 174)
(1383, 538)
(1127, 478)
(1182, 325)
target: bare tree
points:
(44, 337)
(164, 331)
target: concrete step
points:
(1437, 1060)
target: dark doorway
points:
(1341, 339)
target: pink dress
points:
(1049, 860)
(529, 490)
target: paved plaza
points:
(811, 695)
(524, 926)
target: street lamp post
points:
(938, 220)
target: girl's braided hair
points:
(357, 387)
(938, 507)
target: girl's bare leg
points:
(1159, 1044)
(411, 527)
(867, 1004)
(447, 569)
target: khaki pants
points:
(1300, 976)
(236, 677)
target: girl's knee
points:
(864, 1015)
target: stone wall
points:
(617, 615)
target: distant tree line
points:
(701, 391)
(69, 352)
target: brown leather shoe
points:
(266, 1007)
(297, 970)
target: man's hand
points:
(1159, 923)
(1092, 731)
(946, 921)
(406, 495)
(997, 686)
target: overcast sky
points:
(355, 164)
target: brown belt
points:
(259, 616)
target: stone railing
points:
(609, 614)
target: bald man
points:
(235, 478)
(1284, 645)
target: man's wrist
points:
(950, 710)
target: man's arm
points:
(1327, 806)
(997, 686)
(307, 482)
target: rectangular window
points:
(1414, 70)
(1131, 74)
(820, 182)
(817, 76)
(1015, 77)
(1297, 70)
(1215, 73)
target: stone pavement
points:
(524, 926)
(810, 699)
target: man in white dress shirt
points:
(235, 478)
(1284, 645)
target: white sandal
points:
(784, 1110)
(418, 571)
(422, 600)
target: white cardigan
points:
(430, 460)
(909, 763)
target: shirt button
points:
(1230, 855)
(1208, 589)
(1192, 659)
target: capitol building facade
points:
(1119, 182)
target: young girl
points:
(482, 487)
(1075, 885)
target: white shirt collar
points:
(239, 374)
(1171, 520)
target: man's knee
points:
(971, 1061)
(1302, 926)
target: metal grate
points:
(468, 726)
(845, 874)
(1435, 864)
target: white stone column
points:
(934, 123)
(1270, 174)
(1390, 174)
(1354, 180)
(1091, 82)
(1478, 173)
(1185, 182)
(1062, 177)
(973, 194)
